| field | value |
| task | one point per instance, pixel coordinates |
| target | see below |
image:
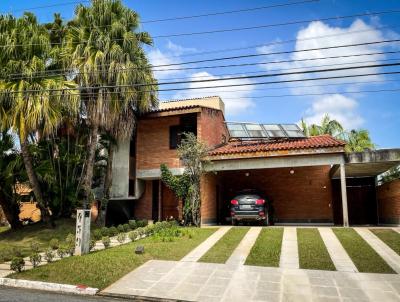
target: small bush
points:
(62, 251)
(35, 259)
(54, 243)
(70, 244)
(106, 241)
(92, 244)
(141, 231)
(113, 231)
(132, 224)
(126, 227)
(133, 235)
(97, 234)
(17, 264)
(104, 232)
(49, 255)
(120, 228)
(141, 223)
(121, 237)
(35, 247)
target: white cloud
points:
(235, 101)
(339, 107)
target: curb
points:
(47, 286)
(138, 298)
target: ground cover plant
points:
(361, 253)
(266, 251)
(100, 269)
(223, 249)
(312, 250)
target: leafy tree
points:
(392, 174)
(327, 126)
(104, 47)
(358, 141)
(32, 102)
(187, 186)
(10, 173)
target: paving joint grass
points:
(102, 268)
(390, 237)
(267, 249)
(313, 253)
(223, 249)
(364, 257)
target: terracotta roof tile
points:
(235, 147)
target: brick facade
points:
(211, 128)
(388, 196)
(209, 198)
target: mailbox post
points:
(82, 236)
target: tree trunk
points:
(34, 182)
(11, 211)
(101, 220)
(88, 175)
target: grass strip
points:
(390, 237)
(223, 249)
(312, 250)
(266, 251)
(102, 268)
(364, 257)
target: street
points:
(8, 294)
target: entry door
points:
(155, 200)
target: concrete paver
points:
(289, 252)
(241, 252)
(390, 256)
(199, 251)
(222, 282)
(338, 254)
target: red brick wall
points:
(170, 204)
(143, 206)
(388, 196)
(305, 196)
(211, 127)
(208, 194)
(153, 143)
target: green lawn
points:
(22, 238)
(3, 228)
(223, 249)
(102, 268)
(267, 249)
(312, 250)
(361, 253)
(390, 237)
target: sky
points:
(345, 100)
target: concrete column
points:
(82, 236)
(344, 195)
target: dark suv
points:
(248, 205)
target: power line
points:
(218, 86)
(47, 6)
(245, 28)
(275, 24)
(51, 72)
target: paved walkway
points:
(196, 281)
(289, 252)
(390, 256)
(397, 229)
(199, 251)
(340, 258)
(241, 252)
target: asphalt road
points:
(8, 294)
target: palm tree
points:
(327, 126)
(358, 141)
(105, 50)
(30, 102)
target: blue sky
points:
(377, 112)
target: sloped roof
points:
(313, 142)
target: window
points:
(174, 136)
(187, 124)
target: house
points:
(310, 180)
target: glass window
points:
(255, 130)
(274, 130)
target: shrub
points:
(106, 241)
(62, 251)
(54, 243)
(17, 264)
(35, 259)
(113, 231)
(35, 247)
(97, 234)
(49, 255)
(141, 223)
(121, 237)
(92, 244)
(132, 224)
(70, 241)
(6, 254)
(133, 235)
(141, 231)
(120, 228)
(104, 232)
(16, 252)
(126, 227)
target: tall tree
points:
(104, 47)
(32, 101)
(358, 141)
(327, 126)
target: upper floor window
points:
(188, 123)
